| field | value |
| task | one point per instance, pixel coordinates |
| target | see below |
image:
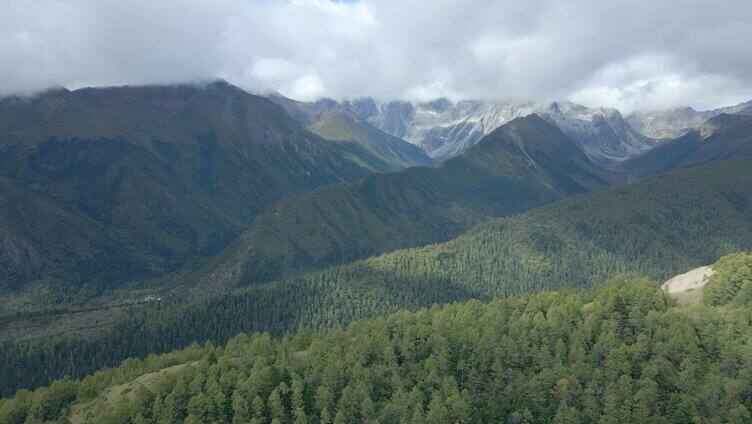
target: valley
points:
(529, 207)
(376, 212)
(572, 244)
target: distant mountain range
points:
(672, 123)
(334, 122)
(445, 129)
(722, 136)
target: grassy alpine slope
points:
(395, 151)
(620, 353)
(656, 227)
(335, 122)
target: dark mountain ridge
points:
(165, 174)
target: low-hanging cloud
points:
(632, 54)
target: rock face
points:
(687, 288)
(601, 133)
(445, 129)
(672, 123)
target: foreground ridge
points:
(621, 353)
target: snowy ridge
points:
(445, 129)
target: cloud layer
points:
(628, 54)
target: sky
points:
(633, 55)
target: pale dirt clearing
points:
(687, 288)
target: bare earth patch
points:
(687, 288)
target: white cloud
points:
(271, 69)
(649, 82)
(629, 54)
(306, 87)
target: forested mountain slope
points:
(622, 353)
(71, 238)
(656, 227)
(154, 178)
(721, 137)
(522, 164)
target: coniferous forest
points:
(622, 352)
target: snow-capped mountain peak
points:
(445, 129)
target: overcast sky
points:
(635, 54)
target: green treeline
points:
(53, 402)
(657, 227)
(731, 281)
(621, 353)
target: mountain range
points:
(141, 219)
(722, 136)
(329, 120)
(672, 123)
(524, 163)
(107, 186)
(445, 129)
(168, 185)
